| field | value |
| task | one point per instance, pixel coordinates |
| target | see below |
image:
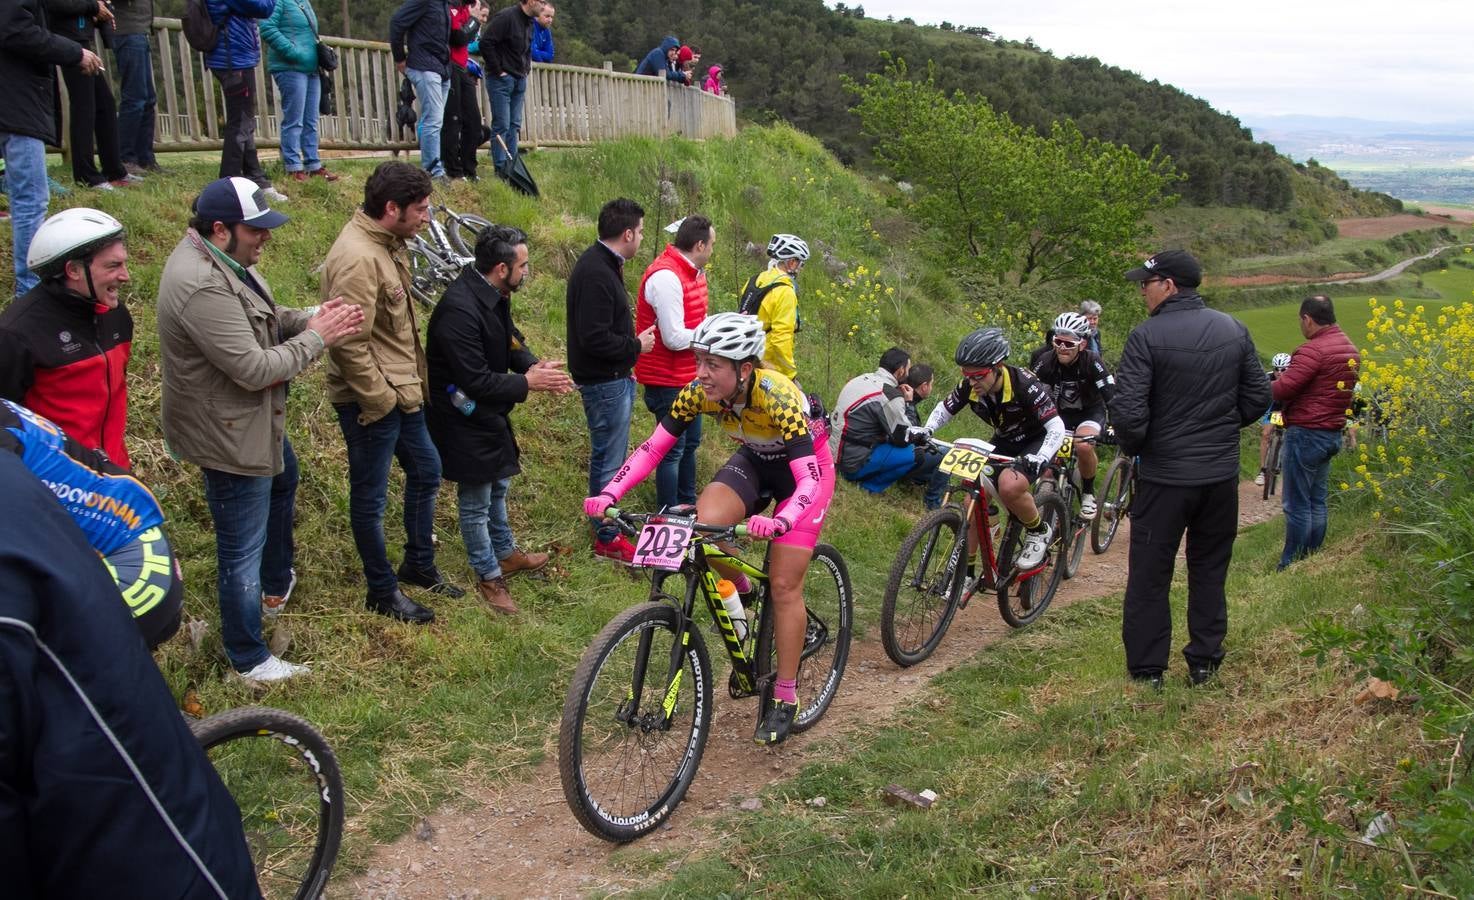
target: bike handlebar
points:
(630, 523)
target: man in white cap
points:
(228, 352)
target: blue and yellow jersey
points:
(111, 506)
(771, 420)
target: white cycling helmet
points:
(730, 335)
(68, 235)
(1073, 323)
(1280, 362)
(788, 246)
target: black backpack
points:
(199, 29)
(752, 296)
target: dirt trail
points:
(520, 840)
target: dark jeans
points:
(253, 551)
(675, 478)
(94, 125)
(507, 95)
(1160, 514)
(238, 157)
(462, 132)
(136, 108)
(1306, 475)
(371, 449)
(607, 406)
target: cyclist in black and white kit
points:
(1082, 385)
(1027, 426)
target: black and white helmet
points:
(1071, 323)
(788, 246)
(984, 347)
(730, 335)
(68, 235)
(1280, 362)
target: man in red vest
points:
(673, 299)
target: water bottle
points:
(733, 602)
(460, 401)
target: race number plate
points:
(964, 462)
(1066, 449)
(1277, 419)
(663, 544)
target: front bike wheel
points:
(1021, 602)
(1115, 504)
(286, 781)
(1272, 462)
(464, 229)
(426, 278)
(635, 723)
(925, 587)
(830, 604)
(1075, 537)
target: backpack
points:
(752, 296)
(199, 29)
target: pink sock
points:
(742, 583)
(786, 690)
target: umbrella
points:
(514, 172)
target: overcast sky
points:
(1408, 61)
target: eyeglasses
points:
(980, 374)
(1148, 281)
(1065, 343)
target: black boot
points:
(431, 581)
(398, 606)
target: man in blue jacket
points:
(662, 61)
(419, 39)
(542, 34)
(233, 63)
(103, 790)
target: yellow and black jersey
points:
(771, 419)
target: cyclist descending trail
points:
(783, 457)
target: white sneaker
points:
(1259, 479)
(1087, 507)
(1035, 545)
(271, 606)
(274, 195)
(274, 669)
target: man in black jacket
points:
(1188, 382)
(29, 53)
(480, 367)
(602, 349)
(103, 790)
(419, 40)
(508, 52)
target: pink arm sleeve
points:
(641, 463)
(805, 471)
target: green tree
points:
(1018, 207)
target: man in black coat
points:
(602, 349)
(480, 367)
(1188, 382)
(29, 54)
(506, 46)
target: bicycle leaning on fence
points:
(639, 708)
(929, 580)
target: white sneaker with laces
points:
(271, 605)
(1259, 479)
(273, 669)
(1087, 507)
(274, 195)
(1035, 545)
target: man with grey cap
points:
(228, 353)
(1188, 381)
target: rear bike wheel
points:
(464, 229)
(830, 604)
(1021, 602)
(925, 587)
(632, 736)
(286, 781)
(1115, 504)
(427, 276)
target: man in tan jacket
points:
(376, 381)
(228, 352)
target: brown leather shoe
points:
(494, 590)
(523, 562)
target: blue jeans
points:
(484, 526)
(25, 182)
(253, 551)
(431, 88)
(371, 448)
(675, 479)
(506, 93)
(608, 406)
(1305, 482)
(136, 107)
(888, 464)
(300, 94)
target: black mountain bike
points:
(1063, 475)
(1116, 493)
(929, 580)
(639, 709)
(1273, 453)
(286, 781)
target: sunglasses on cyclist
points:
(979, 374)
(1066, 343)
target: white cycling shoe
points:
(1036, 544)
(273, 669)
(1087, 507)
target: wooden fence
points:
(565, 105)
